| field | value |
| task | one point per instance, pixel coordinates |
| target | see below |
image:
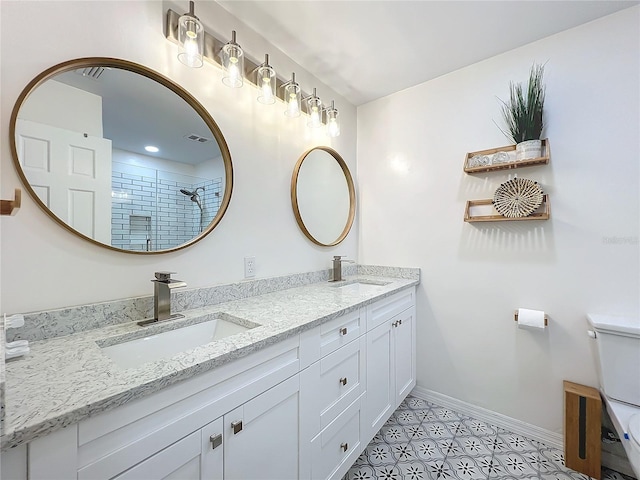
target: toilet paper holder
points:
(515, 318)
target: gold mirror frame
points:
(152, 75)
(352, 196)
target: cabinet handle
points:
(395, 324)
(236, 426)
(400, 321)
(216, 441)
(343, 381)
(343, 331)
(344, 446)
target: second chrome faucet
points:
(163, 284)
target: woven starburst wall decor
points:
(519, 197)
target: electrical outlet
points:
(249, 267)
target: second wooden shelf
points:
(543, 212)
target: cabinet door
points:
(261, 436)
(403, 327)
(180, 461)
(380, 397)
(196, 457)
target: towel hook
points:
(11, 207)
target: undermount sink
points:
(132, 352)
(361, 286)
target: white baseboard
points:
(527, 430)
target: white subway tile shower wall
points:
(173, 218)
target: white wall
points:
(63, 106)
(44, 266)
(411, 148)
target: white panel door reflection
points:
(71, 174)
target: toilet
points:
(618, 352)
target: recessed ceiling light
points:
(152, 149)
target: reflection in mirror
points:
(121, 155)
(323, 196)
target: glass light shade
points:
(266, 82)
(314, 107)
(333, 124)
(233, 63)
(292, 99)
(191, 40)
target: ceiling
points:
(137, 111)
(365, 50)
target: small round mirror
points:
(323, 196)
(121, 156)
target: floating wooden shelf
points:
(542, 213)
(511, 150)
(11, 207)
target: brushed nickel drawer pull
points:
(236, 426)
(400, 321)
(343, 381)
(344, 446)
(343, 331)
(216, 441)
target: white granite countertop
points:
(67, 379)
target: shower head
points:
(194, 196)
(188, 193)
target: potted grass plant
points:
(523, 115)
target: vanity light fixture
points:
(333, 124)
(314, 108)
(266, 82)
(231, 58)
(190, 39)
(232, 63)
(292, 97)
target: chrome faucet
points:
(336, 271)
(163, 284)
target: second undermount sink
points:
(361, 286)
(132, 352)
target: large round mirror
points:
(121, 156)
(323, 196)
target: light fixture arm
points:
(313, 95)
(192, 10)
(289, 82)
(263, 64)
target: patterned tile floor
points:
(425, 441)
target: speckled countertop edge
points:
(67, 379)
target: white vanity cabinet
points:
(367, 366)
(303, 408)
(170, 432)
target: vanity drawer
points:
(340, 331)
(330, 336)
(330, 385)
(334, 450)
(383, 310)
